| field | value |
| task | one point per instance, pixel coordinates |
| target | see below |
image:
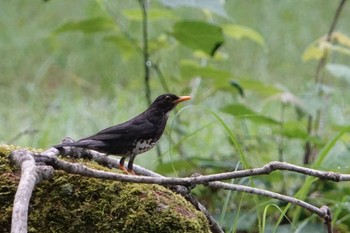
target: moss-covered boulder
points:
(73, 203)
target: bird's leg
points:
(130, 164)
(121, 165)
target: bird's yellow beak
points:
(181, 99)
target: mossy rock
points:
(73, 203)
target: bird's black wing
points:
(133, 128)
(116, 139)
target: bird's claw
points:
(126, 171)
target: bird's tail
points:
(82, 144)
(86, 144)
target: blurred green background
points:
(69, 68)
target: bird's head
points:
(166, 102)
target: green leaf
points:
(153, 14)
(123, 44)
(238, 87)
(295, 130)
(239, 32)
(88, 25)
(199, 35)
(318, 49)
(339, 49)
(260, 87)
(158, 43)
(214, 6)
(341, 39)
(219, 79)
(313, 52)
(241, 111)
(339, 71)
(190, 69)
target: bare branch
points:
(267, 169)
(322, 212)
(78, 153)
(30, 176)
(212, 180)
(179, 184)
(328, 219)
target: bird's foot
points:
(126, 171)
(131, 172)
(121, 167)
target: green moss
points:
(72, 203)
(8, 187)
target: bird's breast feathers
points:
(144, 145)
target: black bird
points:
(132, 137)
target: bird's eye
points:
(167, 98)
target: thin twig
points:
(21, 134)
(123, 30)
(161, 77)
(281, 142)
(139, 49)
(146, 58)
(242, 188)
(307, 147)
(190, 181)
(328, 219)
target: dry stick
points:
(78, 153)
(242, 188)
(30, 176)
(324, 211)
(266, 169)
(211, 180)
(77, 168)
(328, 221)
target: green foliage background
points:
(69, 68)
